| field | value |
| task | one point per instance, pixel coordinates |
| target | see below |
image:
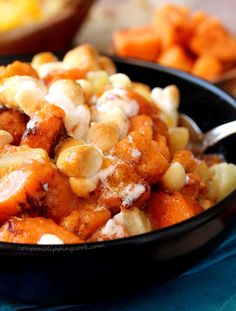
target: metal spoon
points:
(200, 141)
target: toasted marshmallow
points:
(115, 115)
(48, 68)
(22, 92)
(117, 98)
(77, 118)
(49, 239)
(167, 100)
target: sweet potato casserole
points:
(88, 155)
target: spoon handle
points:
(218, 133)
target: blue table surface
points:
(208, 286)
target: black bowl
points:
(88, 272)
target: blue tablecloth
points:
(208, 286)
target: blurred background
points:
(31, 26)
(108, 15)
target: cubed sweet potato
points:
(30, 230)
(162, 146)
(12, 157)
(110, 231)
(72, 74)
(194, 187)
(12, 121)
(197, 18)
(19, 69)
(176, 57)
(159, 128)
(144, 155)
(186, 158)
(86, 220)
(172, 24)
(143, 124)
(207, 66)
(145, 106)
(166, 209)
(37, 188)
(211, 38)
(45, 128)
(139, 42)
(123, 187)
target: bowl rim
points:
(155, 235)
(215, 88)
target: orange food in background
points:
(207, 66)
(139, 42)
(193, 42)
(211, 38)
(172, 25)
(176, 57)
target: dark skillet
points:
(84, 273)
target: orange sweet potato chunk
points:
(45, 128)
(139, 42)
(123, 188)
(37, 188)
(166, 209)
(152, 129)
(85, 221)
(212, 38)
(195, 187)
(207, 66)
(198, 17)
(143, 124)
(14, 189)
(177, 58)
(163, 147)
(186, 158)
(159, 128)
(72, 74)
(183, 38)
(12, 121)
(110, 231)
(171, 23)
(18, 68)
(144, 155)
(59, 199)
(30, 230)
(145, 106)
